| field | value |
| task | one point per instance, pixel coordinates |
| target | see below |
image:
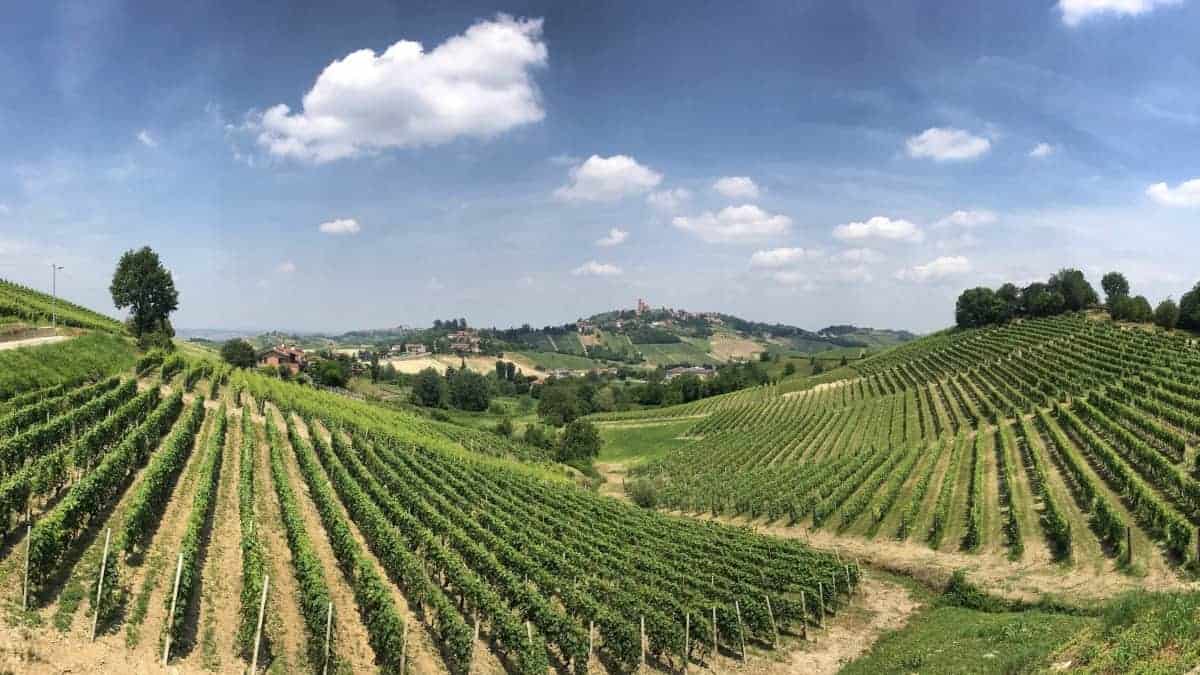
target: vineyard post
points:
(100, 582)
(1129, 542)
(737, 608)
(528, 631)
(171, 616)
(262, 608)
(328, 634)
(591, 638)
(771, 616)
(687, 639)
(821, 604)
(643, 641)
(28, 546)
(404, 649)
(848, 582)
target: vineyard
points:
(1065, 439)
(163, 510)
(20, 303)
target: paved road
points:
(33, 342)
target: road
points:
(33, 342)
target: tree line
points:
(1068, 290)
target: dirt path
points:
(221, 576)
(352, 640)
(33, 342)
(284, 625)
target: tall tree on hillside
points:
(977, 307)
(1115, 286)
(1166, 314)
(1076, 291)
(142, 284)
(429, 389)
(1189, 309)
(1010, 299)
(1039, 299)
(580, 441)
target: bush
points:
(643, 493)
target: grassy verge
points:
(634, 443)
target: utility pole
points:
(54, 268)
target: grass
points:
(677, 353)
(551, 361)
(1140, 632)
(635, 443)
(960, 640)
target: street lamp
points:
(54, 296)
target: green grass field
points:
(671, 354)
(634, 443)
(551, 361)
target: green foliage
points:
(88, 357)
(1136, 310)
(1115, 286)
(430, 389)
(1166, 315)
(144, 285)
(331, 372)
(238, 353)
(643, 493)
(469, 390)
(25, 304)
(253, 553)
(1189, 309)
(580, 441)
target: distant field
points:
(550, 361)
(683, 352)
(569, 343)
(637, 441)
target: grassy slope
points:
(550, 361)
(637, 442)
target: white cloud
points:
(1042, 150)
(1075, 11)
(340, 226)
(606, 179)
(1186, 193)
(852, 275)
(879, 227)
(734, 224)
(286, 267)
(615, 236)
(435, 285)
(859, 255)
(146, 139)
(782, 257)
(478, 85)
(964, 240)
(794, 278)
(592, 268)
(668, 200)
(967, 219)
(736, 187)
(4, 210)
(946, 144)
(936, 270)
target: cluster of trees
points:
(460, 388)
(1069, 291)
(1066, 291)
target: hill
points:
(24, 307)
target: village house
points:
(584, 327)
(464, 341)
(415, 349)
(291, 358)
(698, 371)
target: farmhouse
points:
(698, 371)
(290, 357)
(415, 349)
(464, 341)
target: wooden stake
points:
(528, 631)
(328, 635)
(171, 616)
(737, 607)
(100, 583)
(847, 568)
(591, 638)
(821, 604)
(771, 616)
(687, 640)
(803, 617)
(643, 641)
(404, 649)
(1129, 542)
(262, 608)
(28, 546)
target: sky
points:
(331, 166)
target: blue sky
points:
(369, 164)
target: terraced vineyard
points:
(25, 304)
(1066, 439)
(154, 504)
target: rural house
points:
(464, 341)
(289, 357)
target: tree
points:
(1189, 309)
(505, 427)
(238, 353)
(536, 436)
(1140, 311)
(1010, 299)
(1115, 285)
(142, 284)
(1039, 299)
(559, 403)
(429, 389)
(581, 441)
(977, 307)
(1077, 293)
(605, 400)
(331, 372)
(789, 369)
(469, 390)
(1166, 314)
